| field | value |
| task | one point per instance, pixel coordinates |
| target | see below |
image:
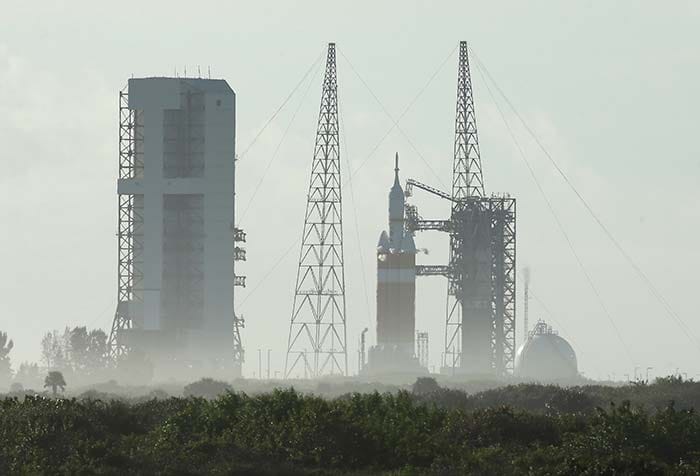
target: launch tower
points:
(480, 320)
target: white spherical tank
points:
(545, 356)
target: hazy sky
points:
(611, 91)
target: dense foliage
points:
(431, 431)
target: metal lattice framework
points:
(493, 271)
(422, 346)
(317, 333)
(502, 213)
(467, 183)
(481, 269)
(239, 254)
(129, 226)
(467, 179)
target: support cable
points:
(654, 290)
(406, 109)
(276, 151)
(100, 315)
(548, 311)
(560, 225)
(274, 115)
(268, 273)
(396, 124)
(569, 337)
(354, 212)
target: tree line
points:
(285, 432)
(77, 353)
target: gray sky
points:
(611, 90)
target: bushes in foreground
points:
(285, 432)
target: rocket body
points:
(396, 300)
(396, 291)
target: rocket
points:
(396, 282)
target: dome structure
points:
(545, 355)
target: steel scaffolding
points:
(129, 227)
(480, 310)
(239, 236)
(317, 333)
(422, 342)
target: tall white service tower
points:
(179, 308)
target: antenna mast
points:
(317, 334)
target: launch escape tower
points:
(395, 351)
(317, 333)
(480, 314)
(176, 236)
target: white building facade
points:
(183, 188)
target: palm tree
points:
(54, 380)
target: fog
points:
(609, 90)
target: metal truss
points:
(433, 270)
(467, 179)
(410, 183)
(239, 254)
(317, 332)
(467, 182)
(494, 272)
(422, 348)
(129, 228)
(502, 214)
(238, 351)
(481, 269)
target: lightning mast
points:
(467, 183)
(317, 333)
(467, 179)
(480, 311)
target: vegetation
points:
(76, 352)
(28, 375)
(54, 380)
(206, 388)
(543, 430)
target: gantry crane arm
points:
(410, 183)
(433, 270)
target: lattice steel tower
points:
(480, 322)
(467, 182)
(317, 334)
(480, 313)
(467, 179)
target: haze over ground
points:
(611, 90)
